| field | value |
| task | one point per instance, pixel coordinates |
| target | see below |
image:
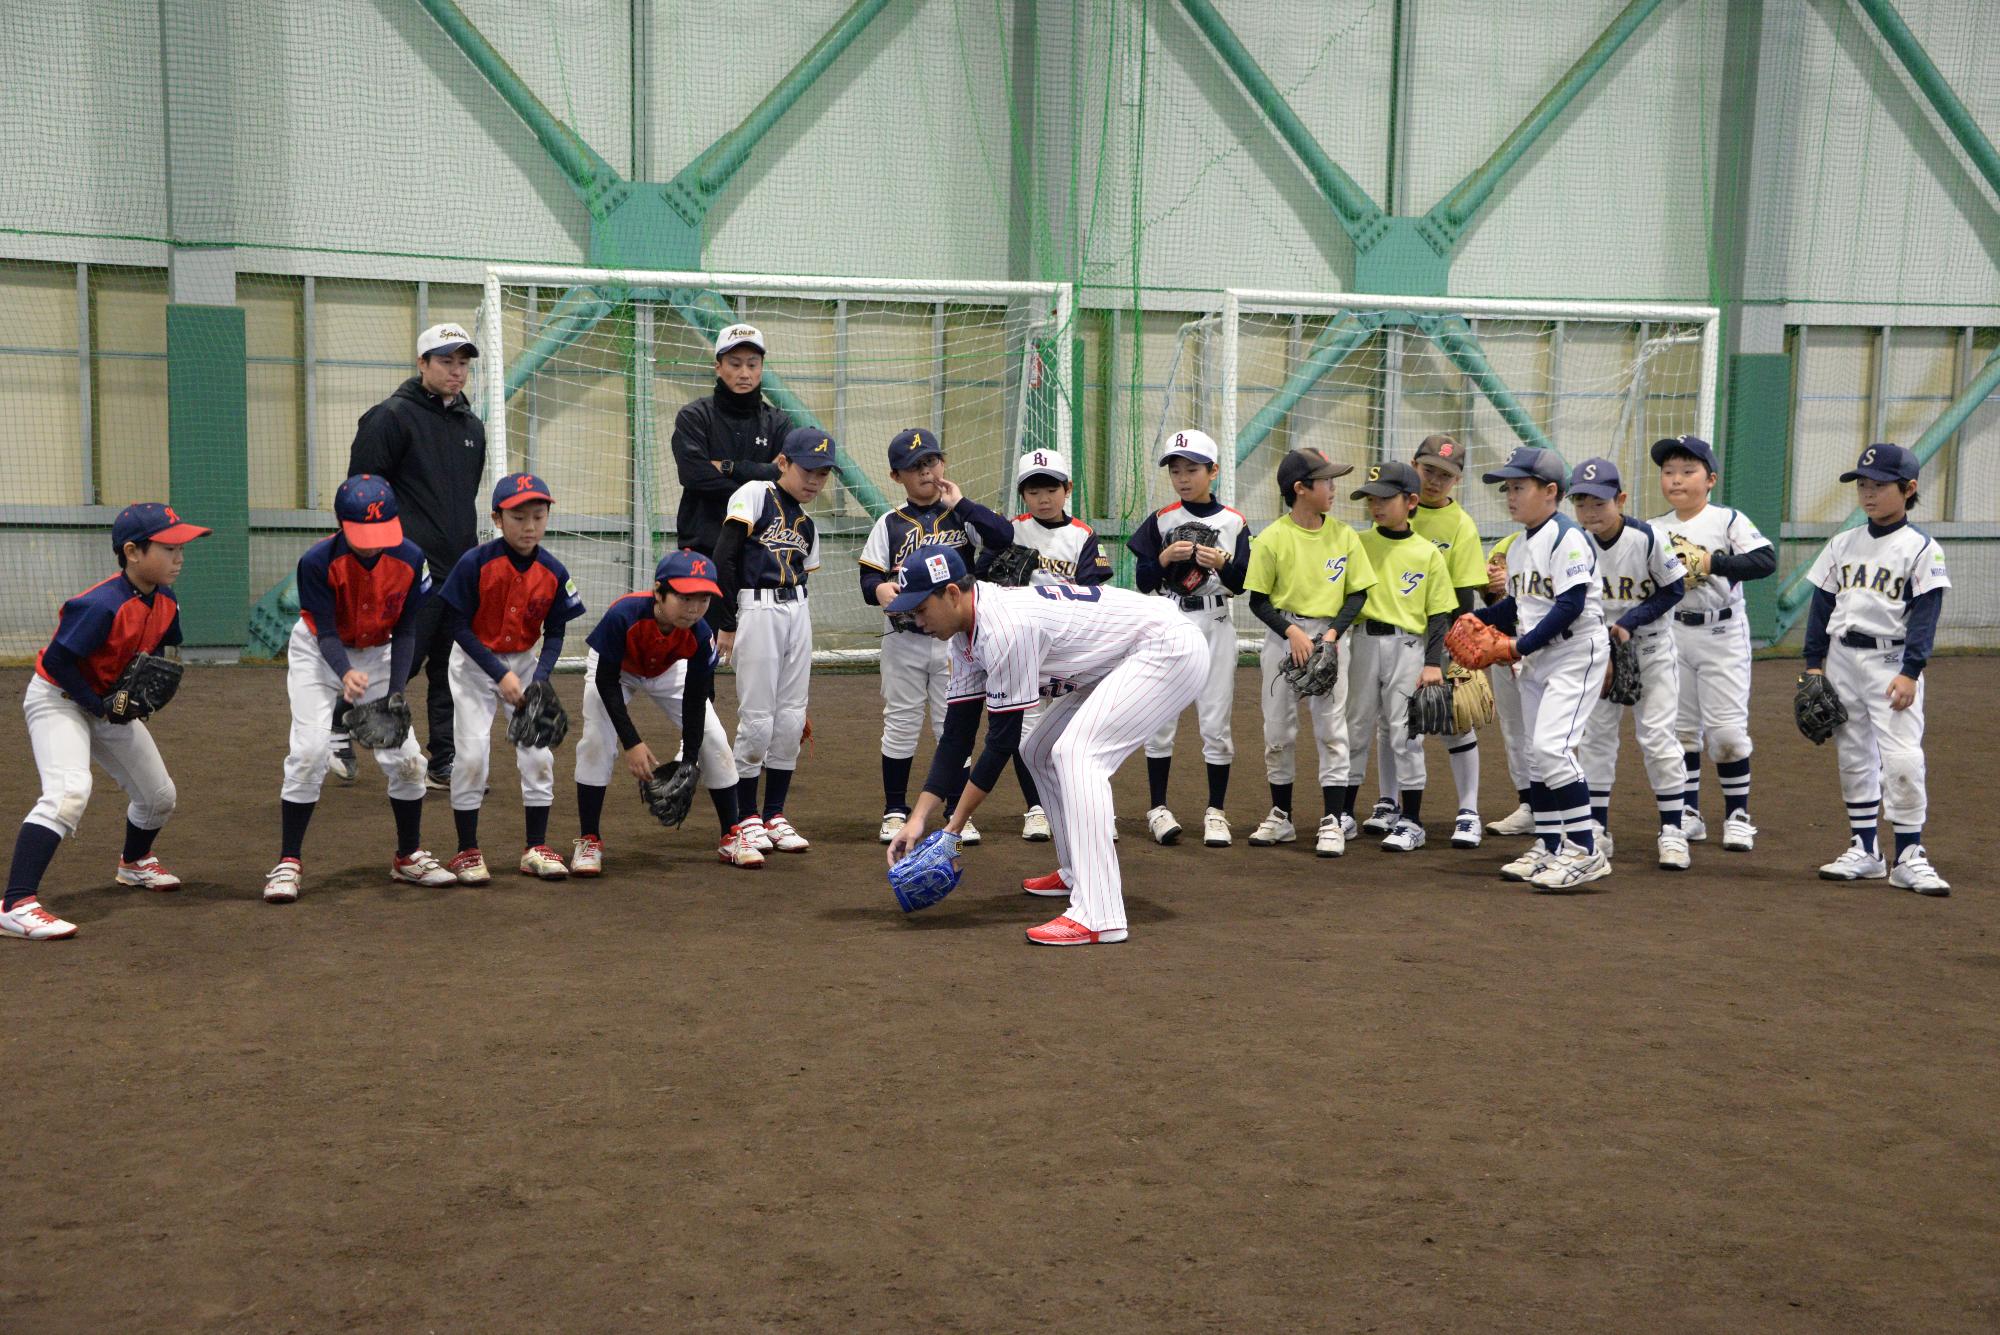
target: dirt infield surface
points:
(1380, 1093)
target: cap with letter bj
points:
(923, 572)
(518, 489)
(445, 338)
(1196, 445)
(1040, 464)
(1884, 463)
(1533, 464)
(686, 571)
(1596, 477)
(152, 521)
(1443, 451)
(365, 505)
(1391, 477)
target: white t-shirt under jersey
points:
(1048, 640)
(1873, 579)
(1724, 532)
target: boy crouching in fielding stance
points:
(499, 599)
(359, 591)
(1877, 595)
(1401, 643)
(74, 716)
(1199, 578)
(1114, 664)
(655, 644)
(1552, 623)
(1308, 576)
(935, 513)
(1640, 580)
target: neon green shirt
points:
(1457, 536)
(1412, 582)
(1308, 573)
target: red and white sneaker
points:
(541, 861)
(469, 866)
(754, 831)
(31, 922)
(147, 874)
(586, 856)
(783, 837)
(420, 868)
(737, 850)
(1069, 932)
(1052, 886)
(281, 886)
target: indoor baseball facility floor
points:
(1387, 1092)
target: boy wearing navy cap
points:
(934, 513)
(98, 633)
(1640, 581)
(499, 599)
(656, 643)
(359, 595)
(1878, 591)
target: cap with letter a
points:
(911, 447)
(365, 505)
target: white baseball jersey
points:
(1229, 525)
(1873, 579)
(1547, 562)
(1047, 641)
(1724, 532)
(1064, 550)
(1637, 565)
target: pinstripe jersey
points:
(1049, 640)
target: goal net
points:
(1365, 378)
(583, 371)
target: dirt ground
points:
(1380, 1093)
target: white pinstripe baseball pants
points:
(1082, 740)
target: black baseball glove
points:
(1184, 577)
(1621, 678)
(1014, 566)
(142, 689)
(1320, 672)
(540, 720)
(379, 725)
(1430, 711)
(669, 794)
(1817, 707)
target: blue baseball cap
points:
(1596, 477)
(687, 571)
(923, 572)
(152, 521)
(912, 447)
(809, 448)
(1884, 463)
(1529, 462)
(519, 488)
(365, 505)
(1694, 447)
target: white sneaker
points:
(147, 873)
(1521, 820)
(1160, 823)
(1605, 843)
(737, 850)
(892, 821)
(586, 856)
(1529, 864)
(1913, 871)
(282, 885)
(420, 868)
(754, 831)
(1332, 841)
(1383, 818)
(1407, 837)
(1570, 868)
(1350, 828)
(1673, 849)
(1276, 828)
(31, 922)
(779, 835)
(968, 837)
(1856, 864)
(342, 764)
(542, 863)
(469, 866)
(1034, 826)
(1693, 826)
(1465, 831)
(1738, 834)
(1215, 828)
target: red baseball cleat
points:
(1052, 886)
(1069, 932)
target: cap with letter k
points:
(365, 505)
(687, 571)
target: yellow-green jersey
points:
(1457, 536)
(1308, 572)
(1412, 582)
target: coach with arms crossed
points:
(425, 440)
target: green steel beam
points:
(1335, 344)
(574, 315)
(1459, 343)
(1925, 72)
(1797, 594)
(1359, 214)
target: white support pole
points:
(642, 445)
(1231, 353)
(1066, 393)
(493, 355)
(1711, 364)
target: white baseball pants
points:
(598, 752)
(475, 697)
(773, 671)
(313, 688)
(66, 740)
(1216, 704)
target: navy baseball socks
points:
(34, 848)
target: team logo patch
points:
(938, 569)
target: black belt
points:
(1854, 640)
(1704, 618)
(1373, 627)
(1198, 601)
(790, 593)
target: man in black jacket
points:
(425, 440)
(726, 439)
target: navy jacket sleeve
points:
(961, 727)
(1746, 566)
(1502, 616)
(1817, 618)
(1237, 568)
(1653, 608)
(995, 533)
(1091, 567)
(1922, 622)
(1145, 545)
(1568, 607)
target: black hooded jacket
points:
(434, 455)
(740, 431)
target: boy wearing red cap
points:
(71, 723)
(359, 592)
(500, 598)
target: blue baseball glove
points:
(927, 872)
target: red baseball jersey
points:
(362, 601)
(628, 635)
(108, 625)
(508, 598)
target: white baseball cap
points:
(1041, 463)
(1189, 444)
(444, 338)
(736, 336)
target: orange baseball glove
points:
(1474, 644)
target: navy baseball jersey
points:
(782, 546)
(628, 635)
(508, 598)
(360, 601)
(108, 625)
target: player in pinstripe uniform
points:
(1190, 461)
(1114, 665)
(913, 672)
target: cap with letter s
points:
(1391, 477)
(445, 337)
(1596, 477)
(1884, 463)
(1692, 447)
(365, 505)
(152, 521)
(1531, 463)
(1441, 450)
(738, 336)
(1040, 464)
(923, 572)
(1190, 444)
(687, 571)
